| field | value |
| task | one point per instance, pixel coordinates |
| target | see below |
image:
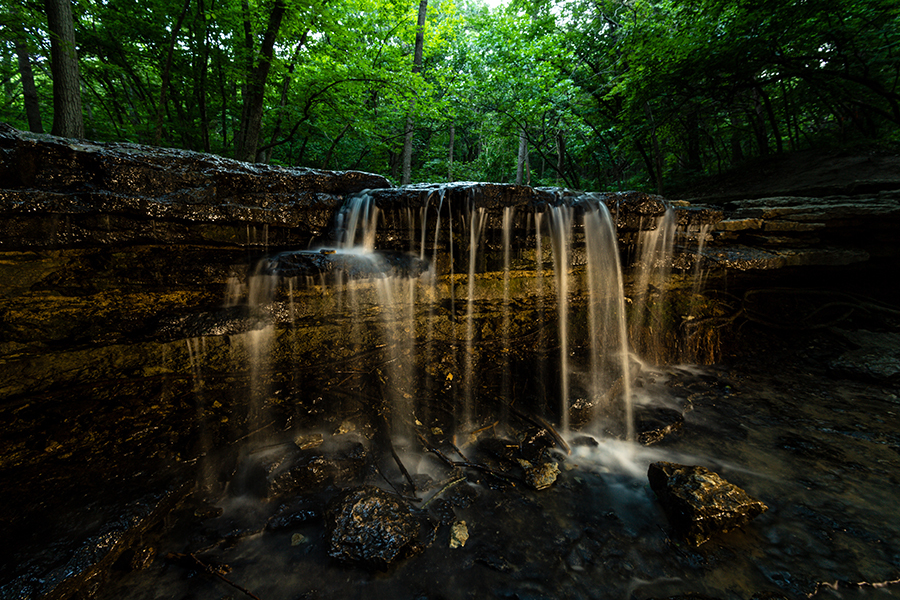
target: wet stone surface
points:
(369, 526)
(699, 503)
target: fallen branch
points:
(441, 491)
(209, 569)
(465, 464)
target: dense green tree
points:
(583, 93)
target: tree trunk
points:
(759, 124)
(166, 74)
(450, 152)
(776, 131)
(522, 157)
(417, 67)
(252, 112)
(202, 79)
(694, 159)
(67, 118)
(648, 164)
(266, 155)
(657, 154)
(560, 154)
(737, 152)
(29, 90)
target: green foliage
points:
(609, 94)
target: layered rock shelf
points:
(130, 330)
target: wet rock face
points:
(58, 192)
(343, 266)
(699, 503)
(369, 526)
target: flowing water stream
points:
(822, 451)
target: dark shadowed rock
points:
(370, 526)
(536, 443)
(346, 265)
(876, 355)
(307, 470)
(699, 503)
(298, 511)
(654, 423)
(59, 192)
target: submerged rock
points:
(297, 511)
(699, 503)
(370, 526)
(335, 463)
(655, 423)
(459, 534)
(541, 476)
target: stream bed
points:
(821, 449)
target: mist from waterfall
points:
(592, 380)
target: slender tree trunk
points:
(788, 114)
(522, 157)
(167, 73)
(252, 112)
(67, 118)
(334, 143)
(560, 154)
(417, 67)
(29, 90)
(224, 100)
(450, 152)
(266, 155)
(648, 163)
(694, 159)
(204, 66)
(776, 131)
(657, 155)
(759, 124)
(737, 152)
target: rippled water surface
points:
(820, 449)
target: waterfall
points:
(654, 249)
(561, 236)
(508, 215)
(477, 220)
(362, 221)
(588, 376)
(610, 353)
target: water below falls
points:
(417, 368)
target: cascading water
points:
(606, 378)
(477, 219)
(508, 222)
(610, 351)
(561, 236)
(654, 249)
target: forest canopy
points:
(590, 94)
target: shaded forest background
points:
(590, 94)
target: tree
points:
(416, 68)
(247, 138)
(29, 89)
(67, 118)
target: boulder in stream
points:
(370, 526)
(699, 503)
